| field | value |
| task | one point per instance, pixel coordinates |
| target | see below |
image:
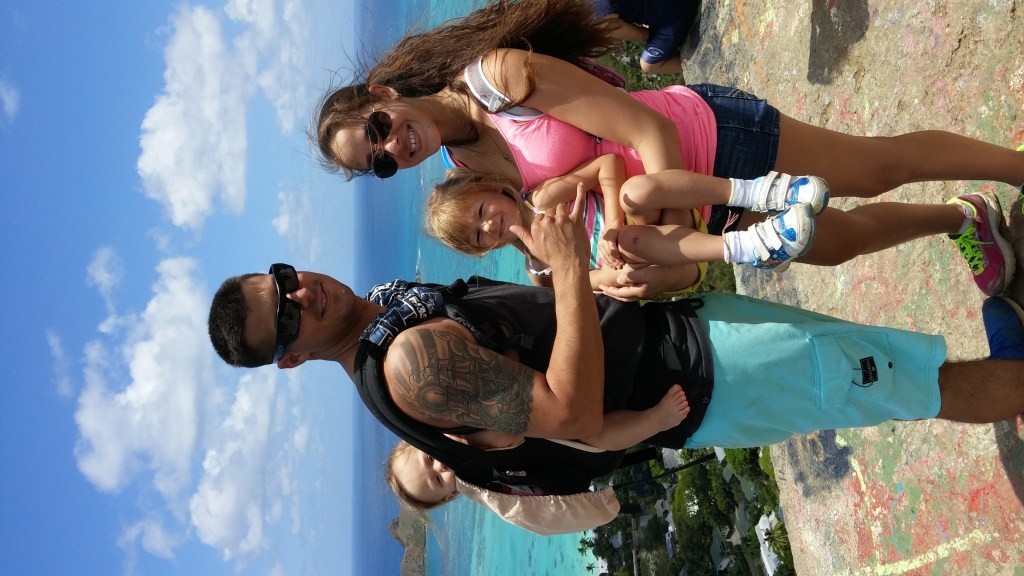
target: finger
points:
(577, 207)
(522, 233)
(623, 293)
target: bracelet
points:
(534, 271)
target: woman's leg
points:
(866, 166)
(841, 236)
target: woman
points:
(519, 54)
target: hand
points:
(557, 236)
(608, 249)
(644, 283)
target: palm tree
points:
(590, 567)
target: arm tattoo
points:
(442, 376)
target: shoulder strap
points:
(490, 98)
(493, 100)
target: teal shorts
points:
(781, 371)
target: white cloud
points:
(154, 538)
(295, 223)
(154, 419)
(105, 272)
(10, 99)
(228, 507)
(194, 139)
(61, 375)
(285, 80)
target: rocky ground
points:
(902, 498)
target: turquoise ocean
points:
(465, 539)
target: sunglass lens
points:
(384, 166)
(288, 323)
(378, 127)
(286, 278)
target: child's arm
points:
(489, 439)
(606, 172)
(626, 428)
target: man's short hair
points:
(227, 325)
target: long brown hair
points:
(424, 63)
(450, 201)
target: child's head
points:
(418, 480)
(470, 212)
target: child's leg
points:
(868, 166)
(645, 196)
(669, 245)
(765, 244)
(626, 428)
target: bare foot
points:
(672, 408)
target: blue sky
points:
(147, 151)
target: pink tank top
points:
(545, 147)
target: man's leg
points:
(988, 390)
(981, 391)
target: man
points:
(755, 372)
(660, 25)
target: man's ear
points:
(292, 360)
(384, 91)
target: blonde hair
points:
(403, 450)
(453, 198)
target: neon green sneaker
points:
(988, 254)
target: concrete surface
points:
(902, 498)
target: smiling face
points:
(413, 137)
(424, 478)
(487, 221)
(327, 314)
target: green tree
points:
(778, 541)
(654, 532)
(744, 463)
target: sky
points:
(148, 150)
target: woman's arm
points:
(573, 95)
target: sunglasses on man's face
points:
(288, 311)
(378, 128)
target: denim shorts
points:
(748, 131)
(748, 140)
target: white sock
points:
(742, 193)
(739, 247)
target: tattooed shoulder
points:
(436, 376)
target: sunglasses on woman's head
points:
(378, 128)
(289, 312)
